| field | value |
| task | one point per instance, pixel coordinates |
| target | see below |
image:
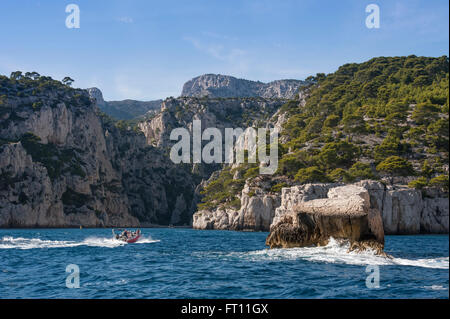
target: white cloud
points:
(245, 64)
(218, 51)
(403, 16)
(125, 20)
(126, 88)
(137, 85)
(218, 36)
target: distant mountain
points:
(126, 109)
(216, 85)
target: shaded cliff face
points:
(63, 165)
(212, 112)
(158, 191)
(216, 85)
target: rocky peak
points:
(96, 94)
(217, 85)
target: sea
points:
(188, 263)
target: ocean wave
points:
(9, 242)
(435, 287)
(147, 240)
(337, 253)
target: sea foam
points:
(337, 252)
(9, 242)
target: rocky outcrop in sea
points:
(346, 213)
(402, 210)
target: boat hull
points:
(133, 240)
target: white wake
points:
(337, 253)
(9, 242)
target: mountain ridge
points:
(127, 109)
(218, 85)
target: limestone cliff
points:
(61, 164)
(256, 211)
(212, 112)
(345, 214)
(403, 210)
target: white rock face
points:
(34, 184)
(216, 85)
(213, 112)
(96, 94)
(256, 213)
(292, 196)
(403, 209)
(344, 214)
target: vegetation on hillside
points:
(384, 118)
(388, 116)
(35, 86)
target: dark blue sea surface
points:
(187, 263)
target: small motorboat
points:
(127, 236)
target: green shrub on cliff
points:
(360, 171)
(332, 121)
(419, 183)
(222, 191)
(389, 147)
(425, 113)
(311, 174)
(278, 187)
(440, 182)
(395, 166)
(340, 175)
(438, 134)
(336, 154)
(290, 164)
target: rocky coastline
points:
(65, 163)
(310, 214)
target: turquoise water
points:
(187, 263)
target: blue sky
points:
(146, 50)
